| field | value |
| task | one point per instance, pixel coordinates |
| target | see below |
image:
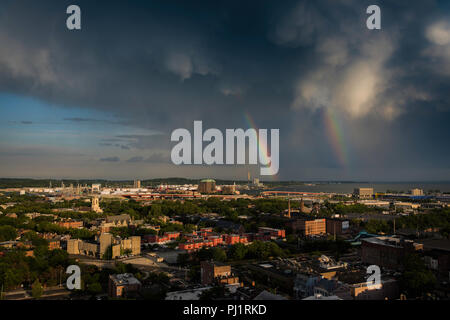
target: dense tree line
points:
(256, 250)
(48, 267)
(416, 280)
(437, 218)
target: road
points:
(52, 293)
(143, 263)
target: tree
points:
(219, 254)
(7, 233)
(183, 258)
(194, 273)
(58, 257)
(416, 280)
(36, 289)
(237, 252)
(107, 255)
(94, 288)
(216, 292)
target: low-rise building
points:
(376, 203)
(216, 272)
(274, 233)
(337, 226)
(437, 255)
(54, 244)
(387, 251)
(70, 224)
(406, 205)
(386, 289)
(122, 285)
(308, 227)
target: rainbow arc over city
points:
(262, 145)
(335, 133)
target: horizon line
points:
(229, 179)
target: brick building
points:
(308, 227)
(337, 226)
(54, 244)
(216, 272)
(122, 285)
(273, 233)
(70, 224)
(437, 255)
(387, 252)
(231, 239)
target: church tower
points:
(95, 205)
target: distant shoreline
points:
(302, 186)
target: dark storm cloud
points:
(37, 152)
(22, 122)
(154, 158)
(161, 65)
(136, 159)
(81, 120)
(110, 159)
(93, 121)
(149, 142)
(86, 120)
(117, 145)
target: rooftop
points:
(265, 295)
(439, 244)
(321, 297)
(385, 240)
(124, 279)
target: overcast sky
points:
(350, 103)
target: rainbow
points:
(333, 127)
(261, 145)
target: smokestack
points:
(289, 208)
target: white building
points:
(406, 205)
(416, 192)
(375, 203)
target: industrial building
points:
(207, 186)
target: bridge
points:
(155, 196)
(289, 193)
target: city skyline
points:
(351, 104)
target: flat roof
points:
(124, 279)
(383, 240)
(440, 244)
